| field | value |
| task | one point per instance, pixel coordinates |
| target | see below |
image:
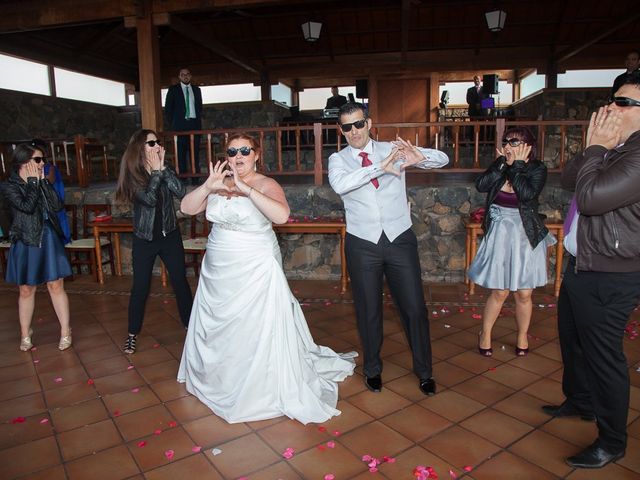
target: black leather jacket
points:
(28, 201)
(527, 180)
(144, 203)
(606, 185)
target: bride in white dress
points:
(248, 353)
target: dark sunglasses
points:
(625, 102)
(152, 143)
(39, 159)
(233, 151)
(514, 142)
(346, 127)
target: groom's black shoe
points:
(593, 457)
(428, 386)
(373, 383)
(567, 410)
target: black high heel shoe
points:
(521, 352)
(485, 352)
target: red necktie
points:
(365, 163)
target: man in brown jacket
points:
(601, 284)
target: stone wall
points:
(438, 215)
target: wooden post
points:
(149, 70)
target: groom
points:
(370, 178)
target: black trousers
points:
(184, 148)
(397, 261)
(144, 255)
(593, 310)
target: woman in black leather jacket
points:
(151, 185)
(37, 252)
(512, 256)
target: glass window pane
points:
(281, 93)
(245, 92)
(316, 98)
(587, 78)
(23, 75)
(531, 84)
(78, 86)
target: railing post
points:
(79, 144)
(317, 143)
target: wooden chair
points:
(195, 246)
(5, 245)
(82, 250)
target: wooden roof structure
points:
(261, 41)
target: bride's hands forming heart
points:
(215, 180)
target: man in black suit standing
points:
(475, 95)
(335, 100)
(632, 65)
(183, 108)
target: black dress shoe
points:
(567, 410)
(373, 383)
(428, 386)
(593, 457)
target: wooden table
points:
(474, 229)
(116, 226)
(338, 228)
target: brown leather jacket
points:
(607, 186)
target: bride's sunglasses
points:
(39, 159)
(152, 143)
(233, 151)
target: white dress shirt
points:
(192, 103)
(369, 210)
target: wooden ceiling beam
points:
(196, 35)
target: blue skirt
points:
(505, 259)
(28, 265)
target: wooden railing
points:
(303, 150)
(74, 157)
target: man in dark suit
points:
(336, 100)
(183, 108)
(475, 95)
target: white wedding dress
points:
(248, 353)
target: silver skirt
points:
(505, 259)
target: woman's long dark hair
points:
(22, 154)
(524, 134)
(133, 174)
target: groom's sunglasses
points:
(152, 143)
(233, 151)
(346, 127)
(625, 102)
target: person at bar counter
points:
(370, 178)
(601, 284)
(249, 354)
(512, 255)
(151, 185)
(183, 108)
(335, 100)
(37, 254)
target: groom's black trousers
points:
(397, 261)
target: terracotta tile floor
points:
(93, 412)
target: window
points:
(587, 78)
(531, 84)
(23, 75)
(316, 98)
(78, 86)
(281, 93)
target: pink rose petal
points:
(44, 420)
(367, 458)
(157, 431)
(130, 367)
(141, 443)
(18, 420)
(156, 345)
(58, 379)
(322, 448)
(135, 390)
(373, 469)
(196, 449)
(331, 444)
(172, 424)
(322, 429)
(116, 413)
(90, 381)
(467, 468)
(476, 316)
(169, 454)
(36, 361)
(452, 475)
(329, 476)
(336, 433)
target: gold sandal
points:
(25, 342)
(65, 342)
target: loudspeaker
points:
(490, 84)
(362, 88)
